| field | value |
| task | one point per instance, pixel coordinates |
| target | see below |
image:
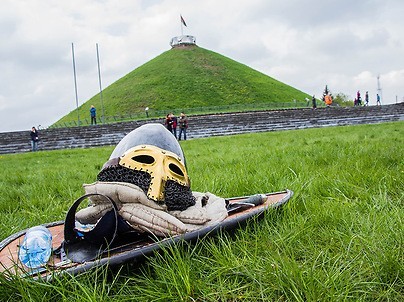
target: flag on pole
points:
(183, 21)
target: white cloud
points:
(306, 44)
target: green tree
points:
(342, 100)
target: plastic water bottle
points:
(36, 247)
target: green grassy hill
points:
(188, 77)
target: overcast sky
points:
(304, 43)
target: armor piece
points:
(151, 158)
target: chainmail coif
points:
(123, 174)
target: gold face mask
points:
(162, 165)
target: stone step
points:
(206, 126)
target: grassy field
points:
(340, 238)
(188, 77)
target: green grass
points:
(340, 238)
(183, 78)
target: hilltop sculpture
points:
(184, 40)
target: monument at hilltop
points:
(183, 40)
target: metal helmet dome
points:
(149, 134)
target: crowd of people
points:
(328, 99)
(172, 123)
(358, 99)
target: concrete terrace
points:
(206, 126)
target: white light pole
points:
(99, 80)
(75, 87)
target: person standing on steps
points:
(168, 123)
(358, 98)
(93, 115)
(183, 123)
(314, 102)
(34, 139)
(174, 119)
(366, 99)
(378, 100)
(328, 100)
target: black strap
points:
(82, 246)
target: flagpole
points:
(99, 80)
(75, 87)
